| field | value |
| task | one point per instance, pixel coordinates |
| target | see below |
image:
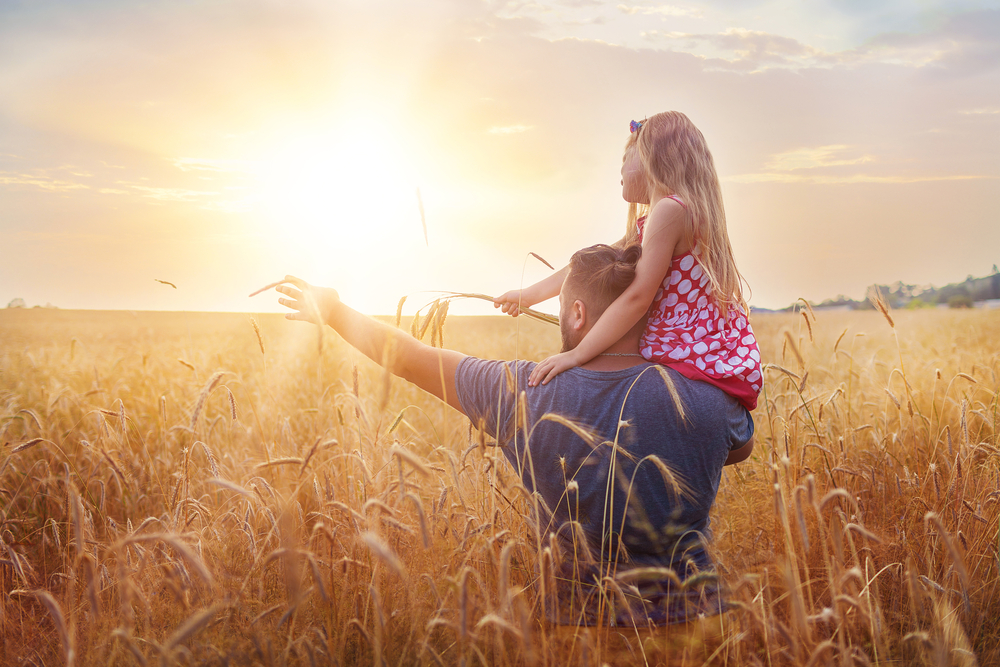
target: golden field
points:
(174, 490)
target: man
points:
(625, 456)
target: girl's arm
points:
(514, 300)
(540, 291)
(663, 231)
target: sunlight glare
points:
(340, 197)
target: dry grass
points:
(339, 516)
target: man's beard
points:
(567, 344)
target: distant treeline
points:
(901, 295)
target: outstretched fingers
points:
(299, 301)
(298, 282)
(288, 291)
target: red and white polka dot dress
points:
(687, 332)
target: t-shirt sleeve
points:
(742, 430)
(486, 393)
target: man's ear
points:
(578, 314)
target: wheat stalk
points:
(534, 314)
(27, 445)
(58, 619)
(200, 403)
(877, 300)
(380, 549)
(256, 331)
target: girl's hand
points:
(552, 367)
(510, 301)
(309, 303)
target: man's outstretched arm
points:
(431, 369)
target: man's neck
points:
(623, 354)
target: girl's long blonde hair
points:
(676, 161)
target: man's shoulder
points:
(486, 389)
(475, 368)
(653, 382)
(627, 377)
(649, 386)
(479, 379)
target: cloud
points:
(741, 49)
(210, 164)
(829, 161)
(758, 45)
(851, 179)
(661, 10)
(172, 194)
(812, 158)
(963, 44)
(111, 73)
(40, 181)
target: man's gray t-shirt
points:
(633, 417)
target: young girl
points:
(686, 280)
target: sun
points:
(327, 185)
(338, 198)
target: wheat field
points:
(182, 488)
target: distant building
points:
(17, 303)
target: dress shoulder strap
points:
(678, 200)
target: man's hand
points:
(308, 303)
(552, 367)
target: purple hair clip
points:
(635, 126)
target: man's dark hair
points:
(599, 274)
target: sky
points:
(390, 148)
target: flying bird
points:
(165, 282)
